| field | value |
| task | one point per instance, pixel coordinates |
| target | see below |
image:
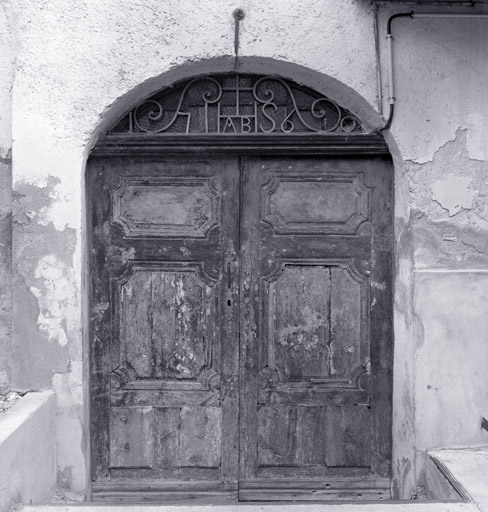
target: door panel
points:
(164, 314)
(127, 426)
(166, 206)
(335, 203)
(167, 323)
(200, 437)
(299, 341)
(315, 245)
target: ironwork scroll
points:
(237, 104)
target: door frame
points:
(270, 145)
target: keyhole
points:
(229, 302)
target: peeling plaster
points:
(477, 137)
(453, 194)
(58, 300)
(46, 296)
(34, 358)
(449, 208)
(446, 246)
(45, 202)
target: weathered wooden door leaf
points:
(315, 329)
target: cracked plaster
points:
(449, 208)
(453, 193)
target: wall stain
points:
(35, 358)
(44, 290)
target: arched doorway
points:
(241, 338)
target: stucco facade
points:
(70, 69)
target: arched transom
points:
(238, 104)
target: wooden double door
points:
(240, 328)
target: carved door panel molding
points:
(240, 328)
(186, 207)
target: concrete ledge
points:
(441, 485)
(27, 457)
(469, 470)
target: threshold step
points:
(407, 506)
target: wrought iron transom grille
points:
(237, 104)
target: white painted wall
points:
(81, 63)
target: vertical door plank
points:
(348, 436)
(179, 323)
(278, 438)
(100, 329)
(250, 316)
(313, 434)
(128, 425)
(300, 314)
(137, 313)
(166, 437)
(188, 353)
(229, 328)
(164, 325)
(200, 437)
(380, 174)
(345, 323)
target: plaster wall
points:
(440, 126)
(79, 65)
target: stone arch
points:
(337, 91)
